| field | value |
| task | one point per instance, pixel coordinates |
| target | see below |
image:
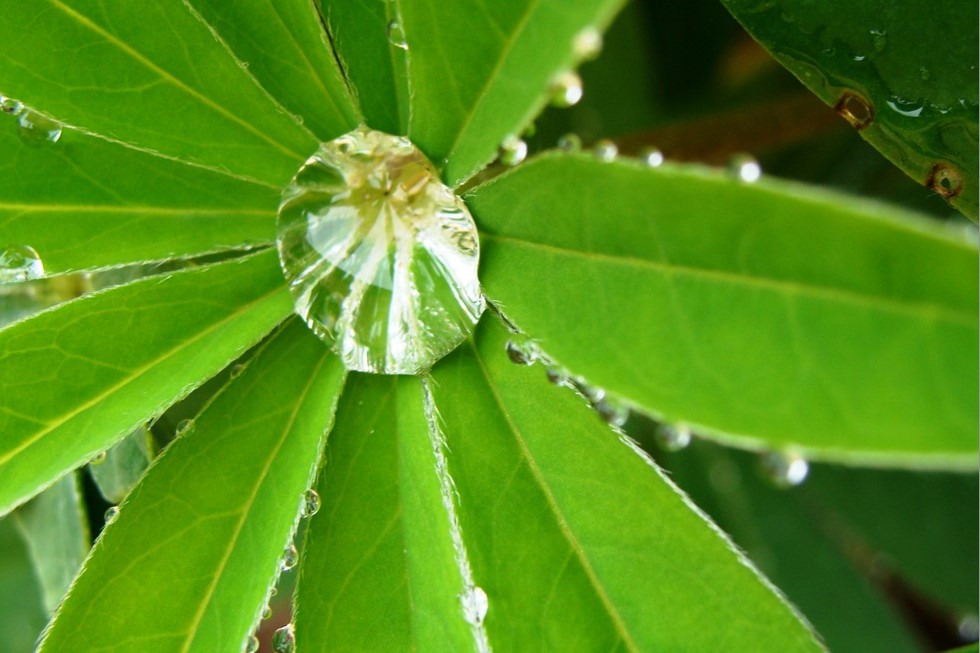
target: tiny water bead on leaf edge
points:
(380, 256)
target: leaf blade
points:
(214, 549)
(754, 323)
(104, 390)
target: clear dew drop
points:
(252, 645)
(652, 157)
(396, 35)
(290, 556)
(557, 376)
(672, 437)
(380, 256)
(520, 354)
(185, 427)
(605, 150)
(236, 370)
(784, 469)
(266, 612)
(566, 90)
(20, 263)
(311, 503)
(745, 168)
(512, 151)
(612, 411)
(284, 639)
(38, 128)
(10, 106)
(570, 143)
(111, 514)
(587, 44)
(99, 458)
(475, 605)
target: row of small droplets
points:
(783, 468)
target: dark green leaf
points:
(190, 559)
(84, 202)
(283, 45)
(905, 71)
(480, 71)
(762, 314)
(21, 616)
(380, 571)
(375, 66)
(581, 544)
(54, 526)
(77, 378)
(150, 75)
(123, 465)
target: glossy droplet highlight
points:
(35, 127)
(605, 150)
(266, 612)
(381, 257)
(252, 646)
(20, 263)
(99, 458)
(785, 469)
(612, 411)
(566, 90)
(396, 35)
(284, 639)
(570, 143)
(311, 503)
(855, 109)
(290, 556)
(111, 514)
(745, 168)
(652, 157)
(475, 605)
(10, 106)
(945, 180)
(520, 354)
(512, 151)
(587, 43)
(672, 437)
(185, 427)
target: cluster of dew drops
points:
(783, 469)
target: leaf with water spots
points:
(766, 315)
(78, 378)
(196, 547)
(903, 72)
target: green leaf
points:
(79, 377)
(765, 315)
(284, 47)
(479, 71)
(123, 466)
(620, 560)
(188, 563)
(21, 616)
(112, 204)
(380, 570)
(54, 526)
(910, 69)
(151, 76)
(374, 65)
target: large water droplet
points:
(785, 468)
(284, 639)
(396, 35)
(311, 503)
(672, 437)
(475, 605)
(35, 127)
(381, 257)
(587, 43)
(566, 90)
(20, 263)
(512, 151)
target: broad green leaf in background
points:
(368, 41)
(77, 378)
(283, 45)
(904, 70)
(21, 613)
(762, 314)
(85, 203)
(479, 72)
(54, 526)
(114, 69)
(380, 571)
(123, 465)
(619, 559)
(188, 563)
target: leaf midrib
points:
(573, 542)
(918, 309)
